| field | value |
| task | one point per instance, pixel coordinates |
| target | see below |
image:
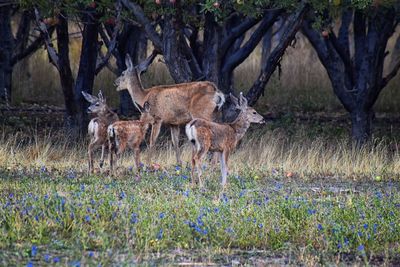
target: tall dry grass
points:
(262, 152)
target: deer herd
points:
(194, 104)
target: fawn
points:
(129, 133)
(97, 128)
(220, 138)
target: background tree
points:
(357, 78)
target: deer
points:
(97, 128)
(122, 134)
(173, 105)
(221, 138)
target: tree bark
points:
(87, 69)
(361, 125)
(6, 51)
(66, 77)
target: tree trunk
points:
(6, 49)
(173, 50)
(66, 77)
(87, 68)
(361, 125)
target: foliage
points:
(67, 215)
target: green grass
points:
(67, 216)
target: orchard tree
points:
(90, 15)
(14, 48)
(354, 59)
(175, 29)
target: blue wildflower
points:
(29, 264)
(360, 248)
(46, 258)
(216, 210)
(260, 225)
(56, 259)
(160, 234)
(87, 218)
(365, 226)
(320, 228)
(91, 254)
(162, 215)
(122, 195)
(34, 251)
(311, 211)
(134, 218)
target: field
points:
(298, 194)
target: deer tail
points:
(191, 134)
(93, 127)
(112, 137)
(219, 99)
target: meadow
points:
(302, 196)
(298, 192)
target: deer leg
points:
(103, 147)
(175, 142)
(111, 149)
(137, 157)
(224, 167)
(155, 131)
(214, 159)
(92, 146)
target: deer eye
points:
(254, 112)
(97, 104)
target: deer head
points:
(128, 76)
(251, 114)
(145, 114)
(97, 104)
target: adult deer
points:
(97, 128)
(173, 105)
(219, 138)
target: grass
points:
(298, 194)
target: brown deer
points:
(97, 128)
(173, 105)
(129, 133)
(219, 138)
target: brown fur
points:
(221, 138)
(123, 134)
(174, 105)
(97, 128)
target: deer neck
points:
(136, 90)
(145, 126)
(108, 116)
(240, 125)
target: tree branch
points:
(53, 56)
(113, 42)
(241, 54)
(292, 27)
(390, 75)
(143, 66)
(145, 22)
(237, 32)
(31, 48)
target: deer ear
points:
(242, 100)
(146, 106)
(101, 97)
(234, 99)
(89, 98)
(128, 62)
